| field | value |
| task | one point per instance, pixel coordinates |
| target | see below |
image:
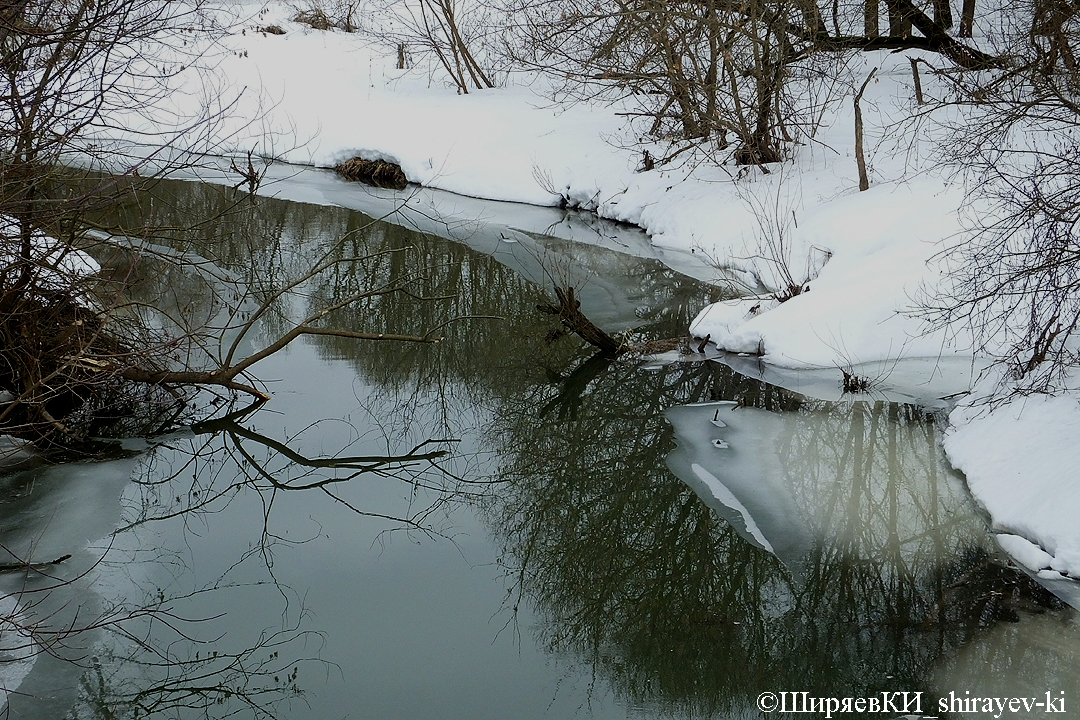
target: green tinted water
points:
(598, 540)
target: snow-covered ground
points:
(320, 97)
(1021, 458)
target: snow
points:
(317, 98)
(320, 97)
(61, 264)
(1020, 458)
(855, 310)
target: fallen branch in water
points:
(225, 377)
(22, 566)
(573, 320)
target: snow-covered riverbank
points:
(320, 97)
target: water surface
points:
(512, 527)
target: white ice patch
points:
(727, 455)
(721, 493)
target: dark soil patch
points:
(59, 367)
(756, 155)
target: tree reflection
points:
(219, 458)
(483, 306)
(136, 683)
(890, 570)
(158, 645)
(137, 622)
(631, 570)
(113, 632)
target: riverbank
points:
(312, 97)
(861, 259)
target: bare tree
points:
(700, 69)
(967, 18)
(1015, 276)
(733, 72)
(453, 31)
(75, 344)
(66, 68)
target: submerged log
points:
(569, 311)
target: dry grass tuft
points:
(855, 383)
(315, 18)
(378, 173)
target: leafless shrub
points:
(66, 68)
(329, 15)
(459, 34)
(1013, 277)
(773, 262)
(315, 18)
(744, 75)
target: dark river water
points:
(501, 525)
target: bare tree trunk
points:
(463, 61)
(871, 19)
(479, 77)
(899, 21)
(811, 16)
(943, 13)
(967, 18)
(768, 91)
(712, 74)
(864, 179)
(918, 82)
(680, 87)
(569, 312)
(436, 45)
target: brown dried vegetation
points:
(377, 173)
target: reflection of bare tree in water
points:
(483, 309)
(155, 647)
(113, 632)
(628, 566)
(633, 572)
(130, 679)
(234, 458)
(153, 642)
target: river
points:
(501, 525)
